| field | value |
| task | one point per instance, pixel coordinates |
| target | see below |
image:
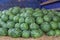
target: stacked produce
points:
(27, 22)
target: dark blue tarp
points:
(52, 5)
(5, 4)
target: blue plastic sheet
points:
(44, 0)
(30, 4)
(51, 6)
(5, 4)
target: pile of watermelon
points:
(27, 22)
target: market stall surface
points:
(41, 38)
